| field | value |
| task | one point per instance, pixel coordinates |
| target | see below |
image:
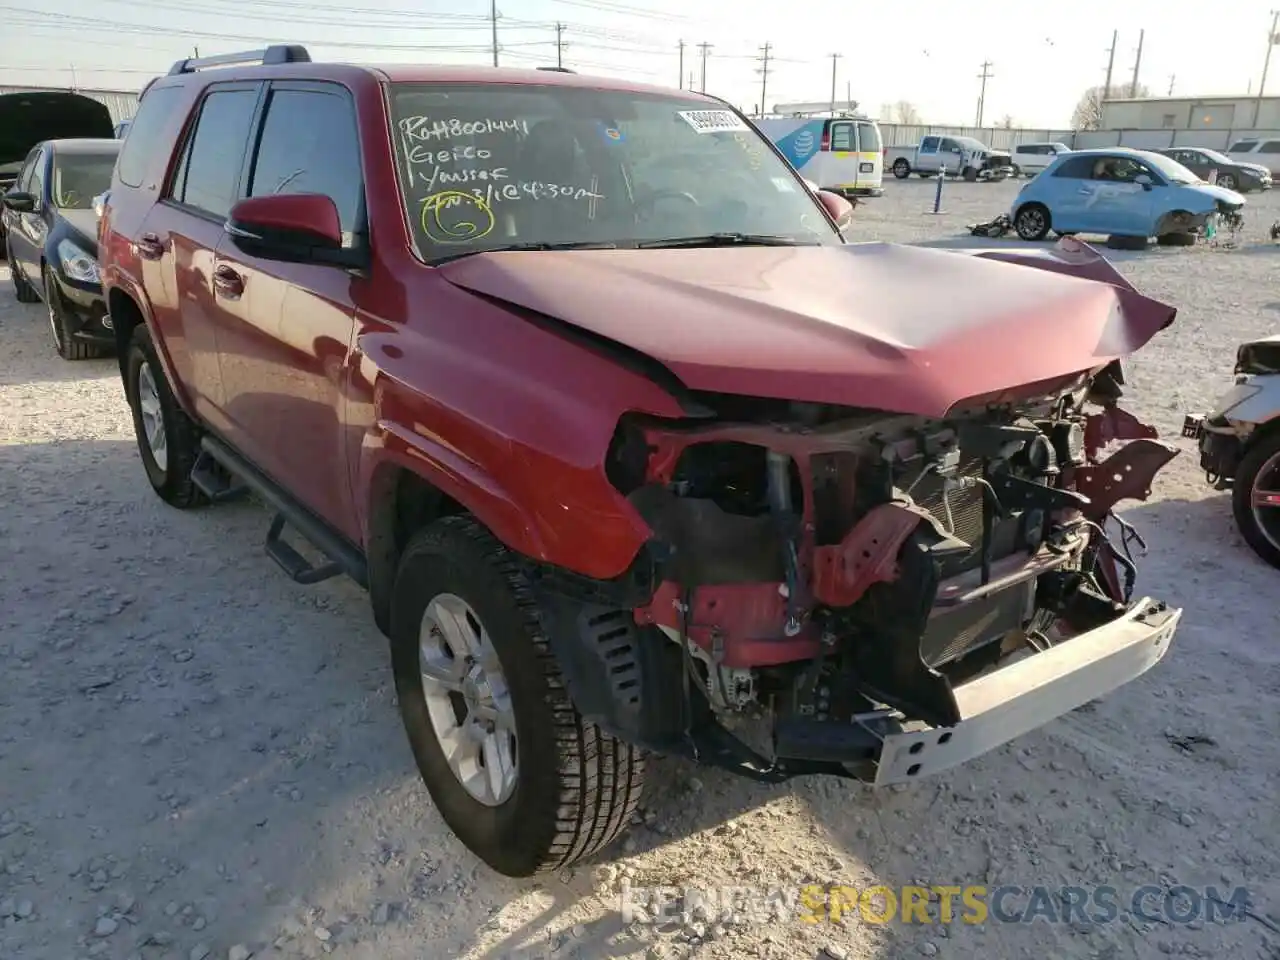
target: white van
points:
(1031, 158)
(841, 154)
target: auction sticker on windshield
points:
(713, 121)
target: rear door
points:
(181, 233)
(927, 155)
(30, 232)
(19, 242)
(840, 158)
(1269, 156)
(1193, 160)
(870, 156)
(284, 329)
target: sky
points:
(1042, 56)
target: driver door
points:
(1121, 205)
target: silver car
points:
(1240, 445)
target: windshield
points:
(485, 166)
(79, 177)
(1169, 168)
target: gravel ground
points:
(198, 758)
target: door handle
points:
(149, 247)
(227, 282)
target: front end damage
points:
(859, 593)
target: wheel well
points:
(1262, 434)
(400, 504)
(125, 316)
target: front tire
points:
(1258, 477)
(168, 440)
(67, 346)
(1176, 240)
(569, 789)
(1032, 222)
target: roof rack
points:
(277, 53)
(558, 69)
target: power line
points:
(984, 76)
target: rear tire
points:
(67, 346)
(572, 788)
(1119, 242)
(1227, 181)
(901, 169)
(169, 453)
(1260, 465)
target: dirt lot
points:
(198, 758)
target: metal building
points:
(1192, 113)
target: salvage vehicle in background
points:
(959, 156)
(30, 118)
(1218, 168)
(1121, 193)
(627, 467)
(1239, 443)
(52, 241)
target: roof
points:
(1216, 98)
(85, 145)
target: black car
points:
(52, 240)
(1240, 177)
(31, 117)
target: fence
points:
(1000, 138)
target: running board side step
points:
(340, 555)
(215, 481)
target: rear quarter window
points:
(145, 134)
(1271, 146)
(868, 137)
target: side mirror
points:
(19, 202)
(1143, 181)
(292, 227)
(838, 209)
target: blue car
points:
(1122, 193)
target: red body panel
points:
(325, 378)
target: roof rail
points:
(558, 69)
(277, 53)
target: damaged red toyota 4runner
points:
(632, 450)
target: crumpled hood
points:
(1221, 194)
(875, 325)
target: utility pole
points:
(1137, 63)
(705, 48)
(680, 74)
(984, 76)
(835, 57)
(196, 50)
(1272, 39)
(764, 75)
(1172, 77)
(560, 45)
(493, 20)
(1111, 62)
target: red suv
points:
(631, 449)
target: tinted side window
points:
(1075, 168)
(210, 168)
(1271, 146)
(23, 182)
(842, 137)
(309, 144)
(929, 143)
(868, 137)
(144, 133)
(1242, 146)
(36, 187)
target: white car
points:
(1032, 158)
(1255, 150)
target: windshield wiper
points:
(727, 240)
(507, 247)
